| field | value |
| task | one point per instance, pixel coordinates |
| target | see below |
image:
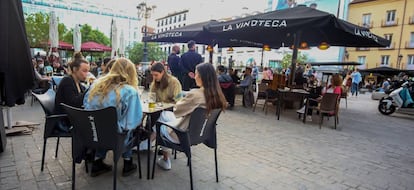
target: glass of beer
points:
(152, 99)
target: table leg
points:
(278, 105)
(149, 123)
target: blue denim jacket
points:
(129, 108)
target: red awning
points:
(62, 45)
(94, 47)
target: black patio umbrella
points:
(386, 71)
(16, 69)
(296, 26)
(334, 63)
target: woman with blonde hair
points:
(117, 89)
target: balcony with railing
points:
(390, 23)
(390, 47)
(368, 25)
(409, 45)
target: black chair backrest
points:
(202, 127)
(47, 101)
(329, 102)
(94, 128)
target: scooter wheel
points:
(382, 108)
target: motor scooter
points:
(394, 102)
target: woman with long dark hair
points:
(70, 90)
(208, 96)
(166, 87)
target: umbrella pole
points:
(210, 53)
(296, 40)
(261, 62)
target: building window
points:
(179, 18)
(412, 38)
(410, 60)
(366, 20)
(179, 25)
(204, 50)
(158, 23)
(184, 17)
(175, 19)
(388, 37)
(385, 60)
(170, 20)
(169, 49)
(390, 17)
(361, 59)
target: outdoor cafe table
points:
(148, 126)
(286, 93)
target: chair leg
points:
(215, 160)
(43, 154)
(114, 173)
(139, 163)
(175, 154)
(73, 174)
(320, 121)
(153, 163)
(265, 107)
(57, 147)
(191, 173)
(255, 104)
(346, 102)
(335, 121)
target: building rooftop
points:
(173, 14)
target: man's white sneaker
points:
(309, 118)
(164, 164)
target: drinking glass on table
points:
(152, 99)
(140, 90)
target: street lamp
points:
(144, 11)
(399, 61)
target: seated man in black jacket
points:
(226, 84)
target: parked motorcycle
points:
(397, 101)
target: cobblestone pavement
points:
(256, 151)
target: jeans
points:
(354, 89)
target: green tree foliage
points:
(37, 29)
(287, 59)
(137, 51)
(88, 34)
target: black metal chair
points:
(97, 129)
(201, 129)
(47, 101)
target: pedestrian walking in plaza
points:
(189, 61)
(356, 79)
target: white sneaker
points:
(309, 118)
(164, 164)
(301, 110)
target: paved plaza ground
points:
(256, 151)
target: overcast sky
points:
(202, 10)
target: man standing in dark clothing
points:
(174, 63)
(189, 61)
